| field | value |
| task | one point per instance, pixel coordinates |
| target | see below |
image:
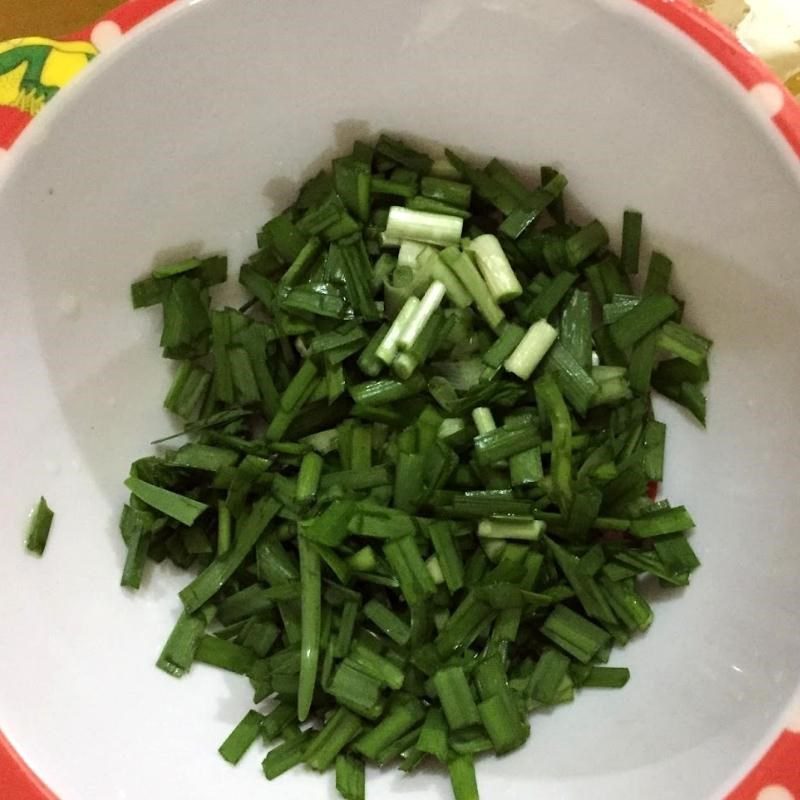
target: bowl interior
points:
(191, 135)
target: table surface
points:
(769, 27)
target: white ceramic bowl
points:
(195, 129)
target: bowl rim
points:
(779, 767)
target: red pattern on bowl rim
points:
(777, 775)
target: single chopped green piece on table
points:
(39, 527)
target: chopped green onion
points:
(411, 489)
(607, 677)
(528, 354)
(549, 298)
(455, 695)
(501, 718)
(216, 574)
(575, 634)
(462, 777)
(39, 527)
(242, 737)
(631, 241)
(660, 523)
(585, 243)
(388, 622)
(340, 729)
(495, 268)
(413, 328)
(680, 341)
(466, 271)
(350, 778)
(457, 194)
(420, 226)
(402, 717)
(648, 315)
(511, 528)
(184, 509)
(224, 655)
(285, 756)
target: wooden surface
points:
(770, 28)
(48, 17)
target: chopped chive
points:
(448, 191)
(136, 529)
(548, 299)
(388, 622)
(450, 561)
(511, 528)
(683, 343)
(607, 677)
(224, 655)
(466, 271)
(402, 717)
(462, 777)
(533, 206)
(382, 186)
(39, 527)
(429, 512)
(216, 574)
(658, 275)
(205, 457)
(455, 695)
(642, 363)
(432, 264)
(184, 509)
(552, 401)
(585, 243)
(506, 442)
(433, 737)
(502, 720)
(676, 553)
(526, 467)
(377, 667)
(495, 268)
(431, 206)
(510, 336)
(574, 634)
(648, 315)
(406, 562)
(412, 329)
(308, 479)
(420, 226)
(538, 339)
(353, 259)
(242, 737)
(630, 607)
(631, 241)
(484, 186)
(386, 391)
(340, 729)
(577, 385)
(310, 619)
(545, 680)
(355, 690)
(178, 653)
(387, 349)
(350, 777)
(660, 523)
(330, 527)
(287, 755)
(401, 153)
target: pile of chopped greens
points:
(418, 488)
